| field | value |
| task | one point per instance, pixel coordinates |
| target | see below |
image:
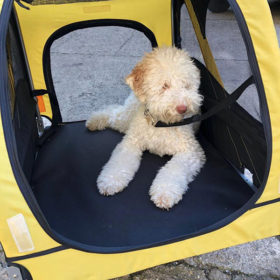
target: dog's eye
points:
(165, 86)
(187, 86)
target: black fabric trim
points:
(21, 5)
(38, 254)
(39, 92)
(176, 7)
(57, 118)
(266, 203)
(221, 105)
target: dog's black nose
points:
(181, 109)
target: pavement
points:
(259, 260)
(88, 70)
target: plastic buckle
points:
(39, 120)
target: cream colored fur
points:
(162, 80)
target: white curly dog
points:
(165, 83)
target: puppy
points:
(165, 85)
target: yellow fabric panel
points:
(1, 4)
(262, 31)
(13, 203)
(48, 109)
(72, 264)
(38, 23)
(204, 46)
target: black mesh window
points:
(237, 131)
(23, 105)
(229, 52)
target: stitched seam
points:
(240, 162)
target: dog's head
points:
(167, 81)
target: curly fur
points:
(161, 81)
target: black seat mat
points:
(64, 182)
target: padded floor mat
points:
(64, 183)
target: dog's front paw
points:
(97, 121)
(110, 184)
(165, 197)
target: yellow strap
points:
(203, 43)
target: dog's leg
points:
(120, 169)
(172, 179)
(116, 117)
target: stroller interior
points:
(62, 164)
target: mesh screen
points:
(229, 51)
(23, 106)
(243, 147)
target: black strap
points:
(39, 92)
(23, 6)
(38, 254)
(214, 110)
(266, 203)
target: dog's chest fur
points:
(160, 141)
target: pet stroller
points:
(53, 222)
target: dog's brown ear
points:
(136, 80)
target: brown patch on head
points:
(136, 80)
